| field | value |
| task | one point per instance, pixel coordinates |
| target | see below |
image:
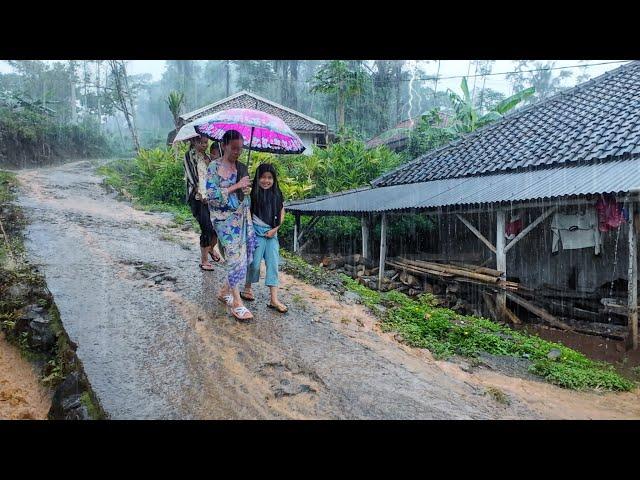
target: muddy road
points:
(156, 344)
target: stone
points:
(18, 290)
(350, 298)
(554, 354)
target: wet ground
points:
(156, 344)
(22, 396)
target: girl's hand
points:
(271, 233)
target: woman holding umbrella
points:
(227, 189)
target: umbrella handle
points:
(249, 154)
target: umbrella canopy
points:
(262, 132)
(188, 130)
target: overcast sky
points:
(447, 68)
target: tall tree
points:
(337, 78)
(540, 76)
(123, 96)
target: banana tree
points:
(468, 118)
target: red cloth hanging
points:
(610, 213)
(513, 228)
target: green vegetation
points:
(498, 395)
(29, 137)
(154, 180)
(445, 333)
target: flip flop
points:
(244, 296)
(215, 258)
(203, 266)
(226, 299)
(283, 309)
(239, 313)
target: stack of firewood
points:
(472, 289)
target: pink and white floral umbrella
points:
(262, 132)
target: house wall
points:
(531, 262)
(307, 140)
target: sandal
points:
(214, 256)
(240, 312)
(226, 299)
(281, 309)
(206, 267)
(248, 297)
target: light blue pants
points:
(269, 250)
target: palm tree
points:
(175, 100)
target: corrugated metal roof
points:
(561, 181)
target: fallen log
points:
(512, 317)
(478, 269)
(452, 270)
(537, 311)
(418, 270)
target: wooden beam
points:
(632, 277)
(501, 258)
(476, 233)
(383, 249)
(529, 227)
(365, 237)
(537, 311)
(296, 229)
(308, 227)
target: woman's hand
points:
(244, 182)
(271, 233)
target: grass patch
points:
(296, 266)
(498, 395)
(127, 178)
(444, 332)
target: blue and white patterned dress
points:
(232, 221)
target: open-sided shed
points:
(558, 156)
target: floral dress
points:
(232, 222)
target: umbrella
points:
(188, 131)
(261, 132)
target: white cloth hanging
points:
(575, 231)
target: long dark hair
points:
(241, 168)
(266, 204)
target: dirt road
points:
(156, 344)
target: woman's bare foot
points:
(247, 294)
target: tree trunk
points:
(125, 104)
(228, 74)
(293, 84)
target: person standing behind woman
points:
(227, 189)
(267, 212)
(196, 162)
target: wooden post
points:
(632, 339)
(383, 249)
(296, 231)
(501, 258)
(365, 237)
